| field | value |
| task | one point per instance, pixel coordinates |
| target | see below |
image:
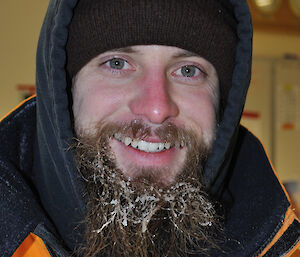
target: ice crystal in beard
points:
(138, 218)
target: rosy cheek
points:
(198, 108)
(102, 100)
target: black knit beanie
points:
(204, 27)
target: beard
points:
(140, 216)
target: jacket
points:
(41, 191)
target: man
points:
(132, 146)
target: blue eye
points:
(189, 71)
(117, 63)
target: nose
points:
(153, 100)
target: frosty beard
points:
(140, 217)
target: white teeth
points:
(152, 147)
(148, 147)
(127, 141)
(134, 143)
(142, 145)
(161, 146)
(167, 145)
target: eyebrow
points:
(185, 53)
(127, 49)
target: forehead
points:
(176, 52)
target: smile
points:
(148, 147)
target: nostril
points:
(155, 109)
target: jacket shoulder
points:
(24, 109)
(268, 226)
(19, 203)
(41, 243)
(17, 135)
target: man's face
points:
(145, 119)
(155, 85)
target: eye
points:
(188, 71)
(117, 64)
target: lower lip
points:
(155, 159)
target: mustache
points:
(138, 129)
(96, 143)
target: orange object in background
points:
(26, 90)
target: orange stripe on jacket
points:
(290, 215)
(20, 104)
(32, 246)
(288, 220)
(296, 253)
(275, 173)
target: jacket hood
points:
(56, 178)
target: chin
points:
(159, 168)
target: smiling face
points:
(157, 86)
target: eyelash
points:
(110, 69)
(200, 73)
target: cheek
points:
(96, 101)
(198, 110)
